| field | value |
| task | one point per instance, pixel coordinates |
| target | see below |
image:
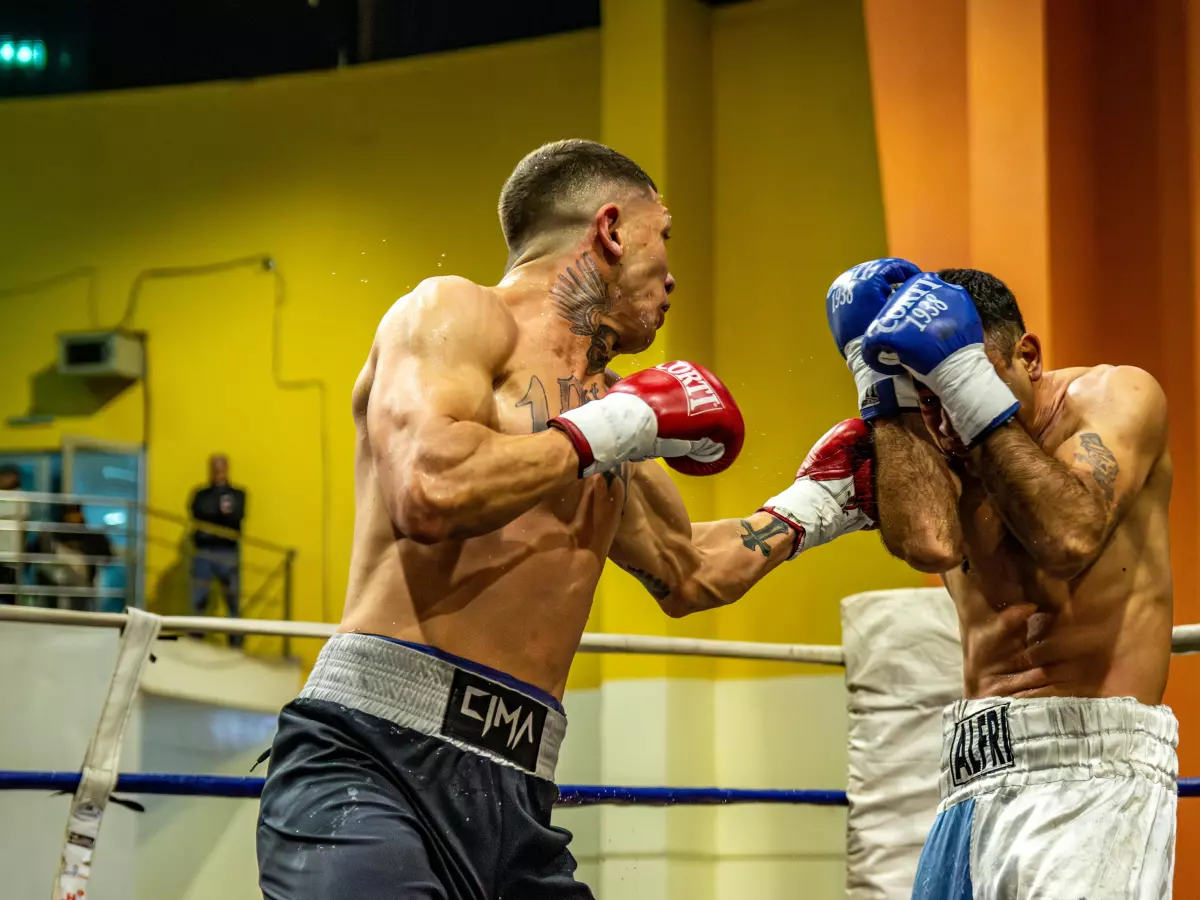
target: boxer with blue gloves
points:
(889, 403)
(1041, 498)
(854, 300)
(932, 330)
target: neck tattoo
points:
(584, 298)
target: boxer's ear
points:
(1029, 354)
(607, 233)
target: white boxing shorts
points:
(1053, 799)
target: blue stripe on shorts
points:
(944, 872)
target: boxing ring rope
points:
(1185, 639)
(818, 654)
(233, 786)
(570, 794)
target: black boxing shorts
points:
(404, 772)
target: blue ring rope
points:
(570, 794)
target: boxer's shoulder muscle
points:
(1118, 392)
(447, 333)
(449, 315)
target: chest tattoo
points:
(572, 393)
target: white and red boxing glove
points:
(678, 411)
(834, 491)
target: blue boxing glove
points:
(933, 330)
(853, 302)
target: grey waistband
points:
(435, 697)
(1002, 742)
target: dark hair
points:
(10, 469)
(1002, 320)
(67, 508)
(546, 184)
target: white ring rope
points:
(820, 654)
(1185, 638)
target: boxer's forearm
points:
(916, 495)
(1058, 520)
(728, 558)
(464, 479)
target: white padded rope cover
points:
(99, 771)
(903, 665)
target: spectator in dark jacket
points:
(218, 551)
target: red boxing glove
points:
(678, 411)
(834, 490)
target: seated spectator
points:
(13, 514)
(71, 569)
(218, 553)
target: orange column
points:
(918, 64)
(1006, 73)
(1082, 161)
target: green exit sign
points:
(22, 54)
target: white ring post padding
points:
(102, 759)
(903, 665)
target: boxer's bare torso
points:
(475, 530)
(516, 598)
(1103, 632)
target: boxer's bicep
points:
(444, 470)
(1121, 436)
(431, 371)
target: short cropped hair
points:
(549, 187)
(1003, 323)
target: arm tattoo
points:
(1103, 463)
(582, 297)
(759, 539)
(658, 588)
(1059, 519)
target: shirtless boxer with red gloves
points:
(498, 465)
(1041, 499)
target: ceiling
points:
(112, 44)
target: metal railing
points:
(51, 572)
(151, 565)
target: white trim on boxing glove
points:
(617, 428)
(867, 380)
(974, 396)
(816, 510)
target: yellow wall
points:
(362, 182)
(797, 201)
(359, 183)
